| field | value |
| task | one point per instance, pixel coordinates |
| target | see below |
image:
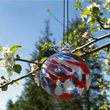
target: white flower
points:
(37, 80)
(107, 25)
(4, 60)
(83, 17)
(8, 69)
(99, 27)
(91, 6)
(10, 58)
(3, 81)
(90, 39)
(89, 20)
(92, 45)
(5, 50)
(107, 73)
(107, 62)
(33, 66)
(86, 34)
(7, 57)
(106, 4)
(96, 5)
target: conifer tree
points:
(10, 105)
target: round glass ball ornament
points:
(65, 76)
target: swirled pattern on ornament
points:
(65, 76)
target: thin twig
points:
(95, 40)
(104, 58)
(27, 61)
(17, 79)
(57, 19)
(94, 50)
(54, 49)
(101, 24)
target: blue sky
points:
(21, 23)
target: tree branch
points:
(17, 79)
(94, 50)
(95, 40)
(28, 61)
(101, 24)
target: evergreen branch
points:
(94, 50)
(17, 79)
(95, 40)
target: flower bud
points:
(37, 73)
(1, 84)
(33, 72)
(3, 81)
(84, 38)
(2, 77)
(100, 89)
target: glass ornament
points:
(65, 76)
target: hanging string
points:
(63, 21)
(67, 21)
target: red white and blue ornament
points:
(65, 76)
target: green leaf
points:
(15, 48)
(17, 68)
(77, 8)
(101, 107)
(105, 104)
(18, 56)
(9, 75)
(61, 43)
(75, 43)
(12, 83)
(96, 10)
(104, 20)
(104, 93)
(78, 3)
(4, 88)
(85, 12)
(48, 10)
(0, 47)
(94, 31)
(100, 79)
(108, 85)
(83, 0)
(100, 13)
(17, 82)
(106, 54)
(103, 67)
(43, 59)
(92, 20)
(75, 5)
(92, 26)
